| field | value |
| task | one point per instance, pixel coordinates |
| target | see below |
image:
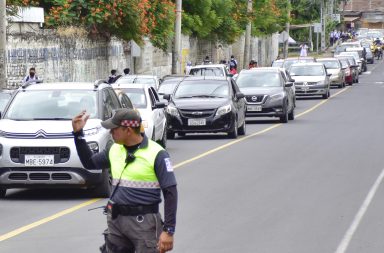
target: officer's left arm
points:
(167, 180)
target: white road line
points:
(359, 216)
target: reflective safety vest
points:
(138, 174)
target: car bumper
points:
(66, 172)
(213, 124)
(265, 110)
(312, 90)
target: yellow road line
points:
(45, 220)
(72, 209)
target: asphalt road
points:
(313, 185)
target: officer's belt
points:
(126, 210)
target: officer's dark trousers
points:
(134, 234)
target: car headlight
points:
(92, 131)
(276, 97)
(171, 110)
(223, 110)
(321, 82)
(93, 146)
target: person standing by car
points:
(126, 71)
(32, 76)
(140, 169)
(112, 77)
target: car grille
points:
(61, 154)
(308, 83)
(38, 135)
(254, 98)
(39, 176)
(194, 113)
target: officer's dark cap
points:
(123, 117)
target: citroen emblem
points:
(40, 134)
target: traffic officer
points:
(140, 170)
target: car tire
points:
(242, 130)
(284, 118)
(163, 141)
(291, 115)
(103, 189)
(3, 192)
(233, 134)
(326, 96)
(170, 135)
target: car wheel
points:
(3, 192)
(326, 96)
(242, 129)
(233, 134)
(170, 135)
(291, 115)
(163, 141)
(103, 189)
(284, 118)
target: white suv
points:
(36, 142)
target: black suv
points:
(206, 104)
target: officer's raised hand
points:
(165, 242)
(79, 121)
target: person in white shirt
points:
(303, 50)
(32, 76)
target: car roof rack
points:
(99, 81)
(30, 82)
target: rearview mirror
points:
(160, 105)
(167, 96)
(240, 95)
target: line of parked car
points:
(36, 142)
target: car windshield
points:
(51, 105)
(203, 88)
(167, 87)
(307, 70)
(258, 79)
(344, 63)
(4, 98)
(137, 97)
(330, 64)
(207, 71)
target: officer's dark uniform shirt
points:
(136, 196)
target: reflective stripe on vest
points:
(138, 174)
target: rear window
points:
(207, 71)
(331, 64)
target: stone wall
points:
(78, 58)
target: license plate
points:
(254, 108)
(196, 122)
(39, 160)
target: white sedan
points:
(145, 99)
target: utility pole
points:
(3, 45)
(176, 54)
(286, 43)
(247, 44)
(323, 25)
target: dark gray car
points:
(267, 93)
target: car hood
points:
(333, 71)
(308, 78)
(261, 90)
(199, 103)
(44, 126)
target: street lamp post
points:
(176, 54)
(3, 33)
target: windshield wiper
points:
(206, 96)
(185, 97)
(51, 119)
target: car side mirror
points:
(328, 74)
(288, 84)
(292, 80)
(167, 97)
(160, 105)
(240, 95)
